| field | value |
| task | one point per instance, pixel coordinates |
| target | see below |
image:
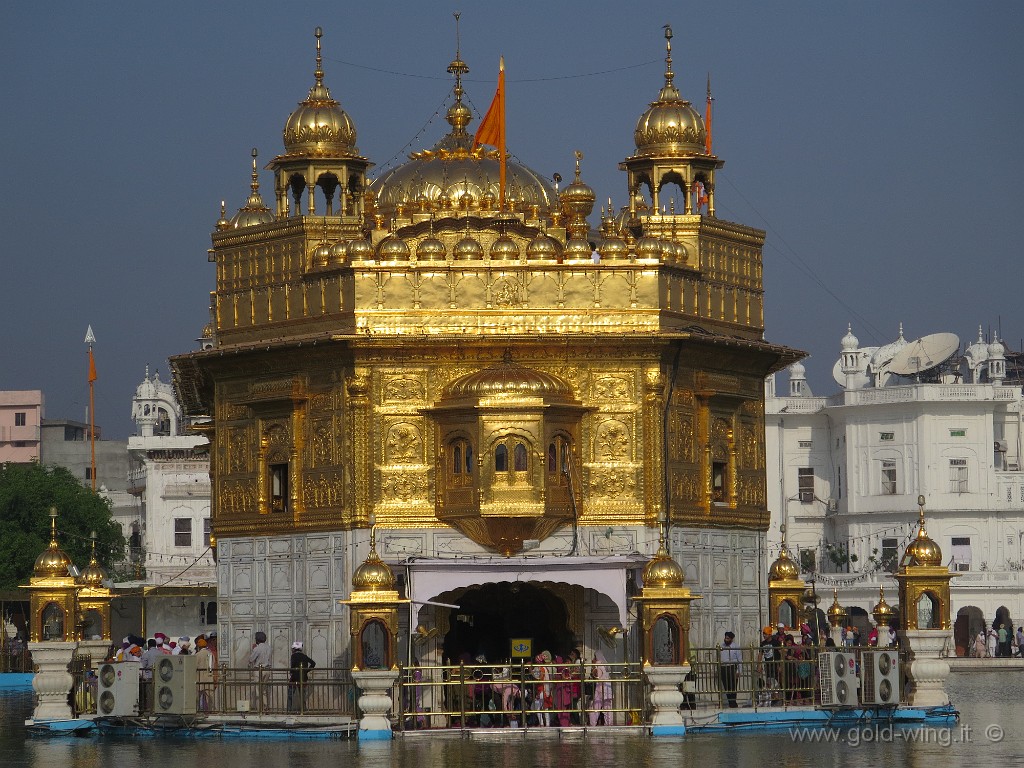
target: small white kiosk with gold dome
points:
(373, 624)
(785, 589)
(665, 621)
(924, 607)
(53, 600)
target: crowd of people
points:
(554, 691)
(998, 642)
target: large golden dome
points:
(455, 171)
(670, 126)
(508, 378)
(319, 127)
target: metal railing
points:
(515, 696)
(269, 691)
(16, 660)
(790, 678)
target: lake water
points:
(987, 735)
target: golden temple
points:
(507, 404)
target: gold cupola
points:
(53, 594)
(670, 125)
(923, 582)
(373, 575)
(577, 202)
(785, 588)
(671, 149)
(320, 155)
(319, 127)
(664, 609)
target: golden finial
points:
(53, 526)
(319, 73)
(920, 509)
(255, 185)
(458, 66)
(579, 157)
(668, 55)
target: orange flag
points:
(92, 367)
(491, 130)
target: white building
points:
(171, 477)
(911, 419)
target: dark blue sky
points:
(877, 143)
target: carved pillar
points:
(362, 459)
(52, 681)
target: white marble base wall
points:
(287, 587)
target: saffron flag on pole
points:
(491, 130)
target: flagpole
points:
(90, 339)
(502, 153)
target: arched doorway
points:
(489, 616)
(969, 622)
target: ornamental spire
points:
(669, 92)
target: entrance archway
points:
(490, 615)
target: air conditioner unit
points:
(117, 691)
(880, 671)
(838, 675)
(174, 679)
(963, 567)
(833, 505)
(1000, 445)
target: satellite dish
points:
(924, 353)
(862, 378)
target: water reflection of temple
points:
(515, 415)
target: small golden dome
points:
(393, 249)
(53, 562)
(468, 248)
(543, 246)
(578, 198)
(577, 249)
(662, 571)
(360, 250)
(613, 248)
(882, 612)
(670, 126)
(508, 378)
(339, 252)
(431, 249)
(505, 249)
(922, 550)
(373, 575)
(322, 255)
(783, 569)
(94, 574)
(222, 222)
(254, 212)
(836, 612)
(649, 248)
(319, 127)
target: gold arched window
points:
(511, 458)
(460, 464)
(558, 461)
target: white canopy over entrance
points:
(607, 575)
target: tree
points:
(27, 492)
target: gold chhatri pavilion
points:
(518, 414)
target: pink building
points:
(21, 413)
